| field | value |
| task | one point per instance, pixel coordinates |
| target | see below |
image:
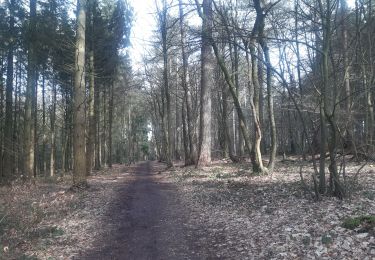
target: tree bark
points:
(79, 169)
(8, 125)
(110, 124)
(206, 86)
(167, 113)
(192, 158)
(329, 99)
(52, 133)
(91, 99)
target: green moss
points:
(46, 232)
(28, 257)
(353, 223)
(326, 239)
(306, 240)
(369, 194)
(370, 219)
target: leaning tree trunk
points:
(79, 169)
(232, 90)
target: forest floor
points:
(219, 212)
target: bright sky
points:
(144, 25)
(142, 31)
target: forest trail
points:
(145, 221)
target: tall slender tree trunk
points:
(16, 113)
(44, 129)
(227, 139)
(34, 131)
(348, 99)
(2, 98)
(53, 130)
(300, 87)
(8, 125)
(258, 31)
(110, 124)
(271, 114)
(254, 90)
(206, 86)
(237, 84)
(192, 158)
(185, 137)
(97, 126)
(166, 92)
(79, 168)
(130, 133)
(329, 99)
(91, 116)
(178, 128)
(91, 99)
(103, 139)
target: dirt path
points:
(146, 220)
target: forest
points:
(245, 129)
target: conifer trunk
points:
(79, 142)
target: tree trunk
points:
(44, 129)
(166, 93)
(52, 133)
(110, 124)
(270, 107)
(34, 131)
(2, 98)
(192, 158)
(254, 90)
(8, 125)
(348, 135)
(232, 90)
(97, 126)
(103, 138)
(206, 86)
(91, 100)
(227, 139)
(329, 101)
(79, 169)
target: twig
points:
(1, 220)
